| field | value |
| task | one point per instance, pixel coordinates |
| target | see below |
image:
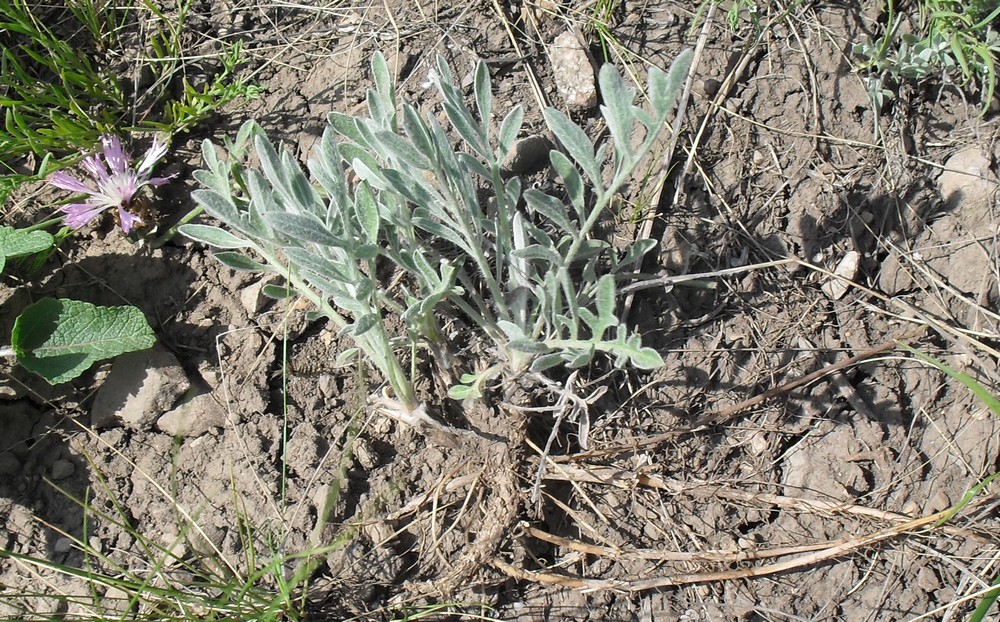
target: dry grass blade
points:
(810, 558)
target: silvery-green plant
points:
(521, 269)
(323, 241)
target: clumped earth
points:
(688, 502)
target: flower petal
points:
(120, 188)
(66, 182)
(128, 219)
(95, 167)
(156, 151)
(115, 154)
(159, 181)
(79, 214)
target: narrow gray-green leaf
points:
(663, 90)
(538, 252)
(217, 206)
(391, 144)
(576, 143)
(605, 299)
(240, 262)
(435, 228)
(305, 259)
(617, 108)
(214, 236)
(278, 292)
(417, 131)
(304, 228)
(467, 128)
(366, 211)
(546, 361)
(509, 129)
(572, 181)
(484, 94)
(551, 208)
(528, 346)
(383, 81)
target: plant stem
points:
(172, 231)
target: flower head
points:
(113, 185)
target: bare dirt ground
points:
(690, 503)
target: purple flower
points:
(114, 184)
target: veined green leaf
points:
(60, 339)
(18, 243)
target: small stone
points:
(9, 464)
(61, 469)
(95, 544)
(62, 546)
(927, 580)
(140, 388)
(710, 87)
(846, 269)
(968, 181)
(573, 72)
(253, 298)
(526, 154)
(194, 417)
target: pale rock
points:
(140, 388)
(573, 72)
(835, 288)
(951, 247)
(194, 417)
(253, 298)
(968, 182)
